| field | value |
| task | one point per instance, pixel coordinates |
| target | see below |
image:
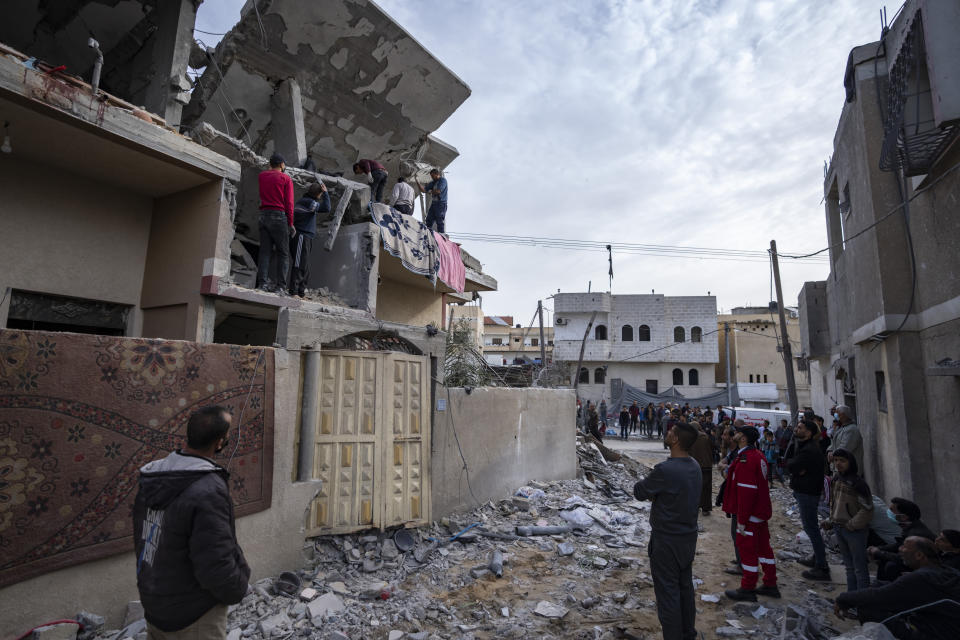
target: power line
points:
(667, 251)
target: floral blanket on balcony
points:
(407, 238)
(80, 414)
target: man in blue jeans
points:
(437, 214)
(806, 479)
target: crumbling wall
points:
(368, 88)
(508, 437)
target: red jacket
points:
(747, 494)
(276, 193)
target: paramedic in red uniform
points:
(747, 498)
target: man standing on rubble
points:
(316, 200)
(674, 488)
(747, 499)
(276, 225)
(189, 564)
(437, 214)
(378, 176)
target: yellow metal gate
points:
(372, 441)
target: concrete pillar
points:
(169, 86)
(289, 137)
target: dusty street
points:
(591, 582)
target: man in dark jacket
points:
(674, 488)
(702, 452)
(189, 564)
(806, 479)
(316, 200)
(888, 558)
(926, 582)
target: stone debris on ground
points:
(470, 576)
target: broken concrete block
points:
(619, 597)
(550, 610)
(370, 565)
(59, 631)
(566, 548)
(325, 605)
(600, 563)
(505, 612)
(478, 572)
(339, 587)
(308, 594)
(235, 634)
(395, 635)
(420, 635)
(276, 622)
(389, 550)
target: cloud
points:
(674, 123)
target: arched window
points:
(584, 375)
(679, 335)
(696, 334)
(643, 333)
(600, 333)
(599, 375)
(693, 377)
(626, 333)
(677, 377)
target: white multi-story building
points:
(652, 342)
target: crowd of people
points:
(915, 590)
(288, 227)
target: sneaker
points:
(770, 592)
(750, 595)
(809, 561)
(817, 573)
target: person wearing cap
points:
(747, 498)
(276, 225)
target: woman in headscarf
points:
(851, 509)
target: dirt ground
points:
(532, 574)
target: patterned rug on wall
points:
(80, 414)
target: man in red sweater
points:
(276, 225)
(746, 497)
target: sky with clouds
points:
(696, 123)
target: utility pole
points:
(583, 344)
(726, 343)
(787, 352)
(543, 348)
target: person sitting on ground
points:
(806, 479)
(402, 197)
(316, 200)
(883, 530)
(911, 596)
(851, 509)
(907, 515)
(948, 544)
(378, 176)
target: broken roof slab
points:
(368, 88)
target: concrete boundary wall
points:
(508, 437)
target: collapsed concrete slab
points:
(367, 88)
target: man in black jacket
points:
(926, 582)
(315, 201)
(189, 564)
(889, 561)
(806, 479)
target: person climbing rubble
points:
(316, 200)
(377, 174)
(437, 214)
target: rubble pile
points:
(561, 559)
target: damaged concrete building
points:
(882, 333)
(129, 246)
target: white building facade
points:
(650, 341)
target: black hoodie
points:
(188, 558)
(913, 589)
